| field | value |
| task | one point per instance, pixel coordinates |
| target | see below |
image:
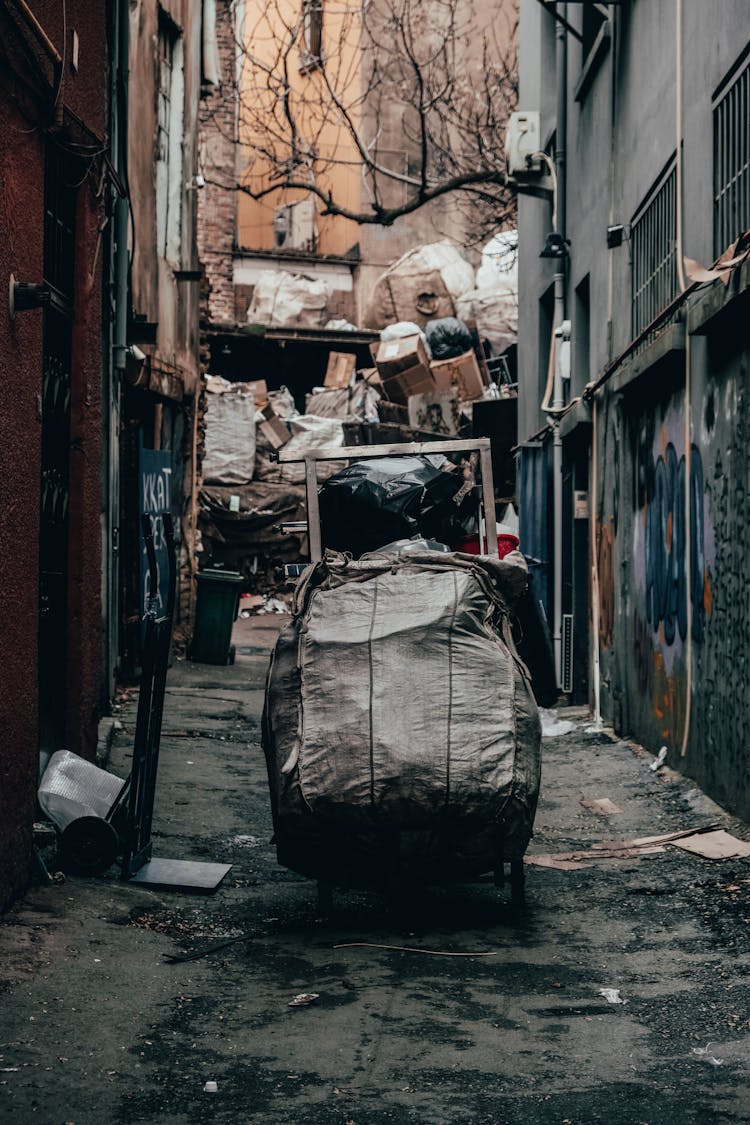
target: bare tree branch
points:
(405, 103)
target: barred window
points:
(312, 32)
(654, 255)
(732, 159)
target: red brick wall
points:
(217, 204)
(26, 112)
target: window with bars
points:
(732, 159)
(653, 234)
(312, 33)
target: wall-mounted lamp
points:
(281, 225)
(23, 295)
(555, 246)
(136, 372)
(616, 234)
(196, 183)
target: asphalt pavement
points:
(619, 994)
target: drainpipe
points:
(122, 205)
(558, 395)
(117, 336)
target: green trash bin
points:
(216, 612)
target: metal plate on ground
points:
(181, 874)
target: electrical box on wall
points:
(522, 144)
(527, 168)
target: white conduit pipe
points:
(688, 436)
(595, 569)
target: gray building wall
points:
(656, 685)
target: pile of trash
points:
(428, 371)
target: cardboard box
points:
(259, 387)
(370, 375)
(340, 370)
(395, 356)
(413, 381)
(435, 413)
(273, 428)
(463, 371)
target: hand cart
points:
(487, 537)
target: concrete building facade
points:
(645, 115)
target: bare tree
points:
(377, 107)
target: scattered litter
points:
(622, 849)
(211, 1087)
(552, 725)
(246, 841)
(612, 995)
(704, 1053)
(569, 861)
(410, 949)
(714, 845)
(273, 605)
(601, 805)
(175, 958)
(303, 999)
(659, 760)
(249, 602)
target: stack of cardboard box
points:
(406, 370)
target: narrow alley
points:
(618, 994)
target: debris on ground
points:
(645, 845)
(705, 1053)
(303, 999)
(659, 760)
(600, 805)
(612, 995)
(715, 845)
(552, 725)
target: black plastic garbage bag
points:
(375, 502)
(448, 337)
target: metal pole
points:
(558, 397)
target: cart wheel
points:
(231, 654)
(325, 898)
(517, 882)
(88, 846)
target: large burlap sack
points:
(400, 731)
(229, 456)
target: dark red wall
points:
(21, 199)
(25, 116)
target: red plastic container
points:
(506, 542)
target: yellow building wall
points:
(266, 26)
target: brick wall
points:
(217, 200)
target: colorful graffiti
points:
(666, 544)
(606, 568)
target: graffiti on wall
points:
(606, 574)
(661, 538)
(722, 719)
(667, 541)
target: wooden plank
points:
(313, 511)
(396, 449)
(488, 498)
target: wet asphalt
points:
(447, 1005)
